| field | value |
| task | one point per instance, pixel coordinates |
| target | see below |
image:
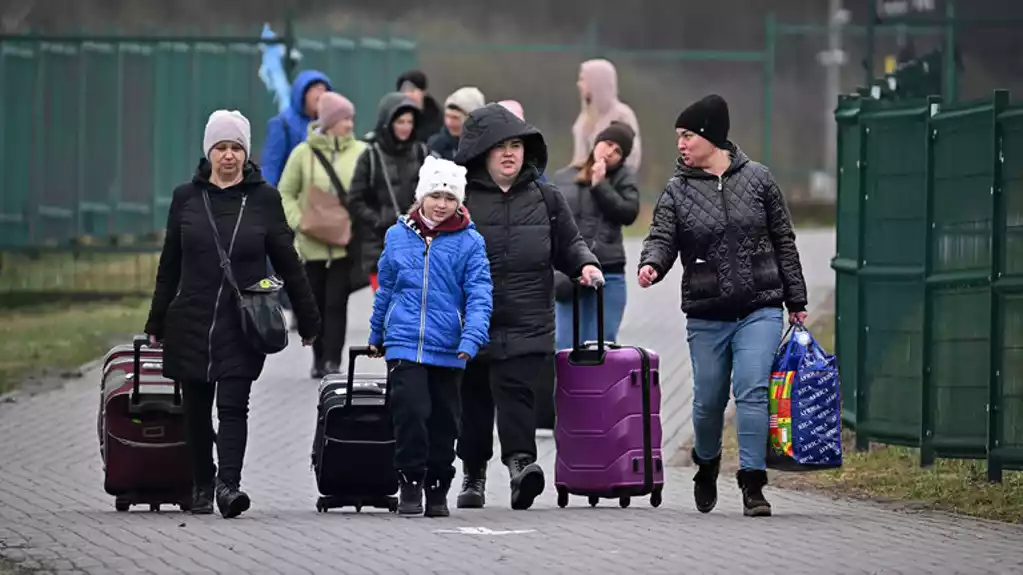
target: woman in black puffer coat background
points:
(194, 314)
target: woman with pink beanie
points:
(325, 160)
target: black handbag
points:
(262, 315)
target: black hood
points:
(251, 174)
(739, 159)
(492, 124)
(391, 106)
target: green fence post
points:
(926, 383)
(770, 47)
(997, 326)
(862, 438)
(81, 196)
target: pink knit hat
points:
(332, 108)
(515, 107)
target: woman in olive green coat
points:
(328, 267)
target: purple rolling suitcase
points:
(608, 426)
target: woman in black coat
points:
(194, 314)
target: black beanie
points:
(707, 117)
(416, 77)
(619, 133)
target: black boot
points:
(202, 500)
(410, 499)
(474, 487)
(318, 370)
(437, 497)
(527, 481)
(232, 501)
(752, 482)
(705, 488)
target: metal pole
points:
(868, 60)
(950, 54)
(833, 61)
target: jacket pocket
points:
(701, 280)
(765, 271)
(387, 318)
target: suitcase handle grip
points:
(582, 354)
(138, 342)
(354, 352)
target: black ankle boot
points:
(437, 497)
(527, 481)
(705, 482)
(232, 501)
(410, 499)
(752, 482)
(202, 500)
(474, 487)
(318, 370)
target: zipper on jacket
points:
(422, 310)
(220, 290)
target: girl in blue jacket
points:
(430, 315)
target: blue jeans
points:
(614, 310)
(741, 352)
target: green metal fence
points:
(79, 120)
(929, 276)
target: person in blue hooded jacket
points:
(431, 314)
(288, 129)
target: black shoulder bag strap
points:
(225, 257)
(339, 189)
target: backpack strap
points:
(552, 214)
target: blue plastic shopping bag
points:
(805, 406)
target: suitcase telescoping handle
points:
(581, 354)
(138, 342)
(354, 352)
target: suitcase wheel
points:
(655, 496)
(358, 507)
(562, 497)
(624, 502)
(594, 500)
(392, 504)
(321, 506)
(154, 507)
(122, 504)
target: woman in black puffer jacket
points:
(603, 197)
(385, 178)
(195, 315)
(724, 217)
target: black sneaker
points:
(474, 488)
(232, 501)
(437, 498)
(527, 481)
(752, 482)
(705, 483)
(410, 498)
(202, 500)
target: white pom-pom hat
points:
(439, 175)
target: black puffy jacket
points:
(600, 211)
(517, 229)
(384, 161)
(734, 237)
(194, 311)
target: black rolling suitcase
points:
(353, 448)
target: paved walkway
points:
(55, 516)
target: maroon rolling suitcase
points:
(142, 430)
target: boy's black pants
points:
(424, 404)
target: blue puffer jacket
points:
(288, 129)
(435, 299)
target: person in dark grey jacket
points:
(504, 157)
(723, 215)
(603, 197)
